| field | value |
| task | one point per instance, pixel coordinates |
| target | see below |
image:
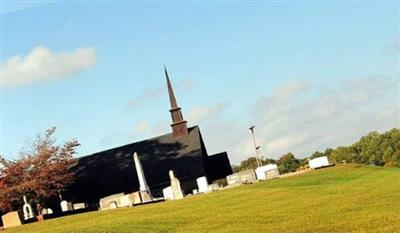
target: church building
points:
(181, 150)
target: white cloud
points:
(8, 7)
(43, 64)
(146, 97)
(205, 113)
(142, 128)
(301, 118)
(333, 117)
(145, 129)
(290, 90)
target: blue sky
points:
(309, 75)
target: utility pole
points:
(257, 148)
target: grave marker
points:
(11, 219)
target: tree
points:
(235, 168)
(288, 163)
(250, 163)
(381, 149)
(303, 162)
(268, 161)
(316, 155)
(328, 152)
(39, 173)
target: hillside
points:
(345, 198)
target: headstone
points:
(49, 211)
(137, 199)
(213, 187)
(123, 200)
(167, 192)
(11, 219)
(195, 191)
(78, 206)
(243, 177)
(27, 209)
(175, 186)
(202, 184)
(261, 172)
(113, 205)
(44, 211)
(66, 206)
(132, 199)
(145, 197)
(128, 200)
(105, 202)
(144, 190)
(319, 162)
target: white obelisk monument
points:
(144, 189)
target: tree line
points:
(379, 149)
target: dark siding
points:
(218, 166)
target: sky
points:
(308, 74)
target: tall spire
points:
(170, 91)
(179, 125)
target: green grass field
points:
(344, 198)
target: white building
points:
(319, 162)
(267, 172)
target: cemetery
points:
(318, 195)
(142, 196)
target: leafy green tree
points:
(381, 149)
(268, 161)
(316, 155)
(250, 163)
(235, 168)
(288, 163)
(303, 162)
(328, 152)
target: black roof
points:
(165, 145)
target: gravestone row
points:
(172, 192)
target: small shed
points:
(268, 171)
(319, 162)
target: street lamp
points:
(257, 148)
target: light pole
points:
(255, 146)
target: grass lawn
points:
(344, 198)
